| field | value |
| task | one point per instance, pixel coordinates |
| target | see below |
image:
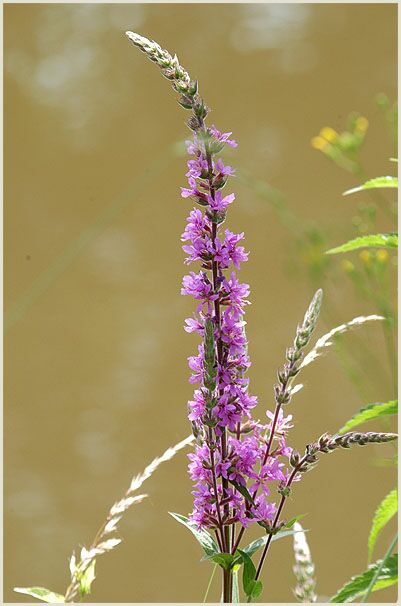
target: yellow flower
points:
(382, 255)
(361, 124)
(347, 266)
(328, 133)
(365, 257)
(319, 143)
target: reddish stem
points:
(277, 516)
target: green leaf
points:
(291, 522)
(376, 183)
(372, 240)
(244, 491)
(236, 596)
(257, 589)
(225, 560)
(359, 584)
(386, 510)
(371, 411)
(41, 593)
(252, 588)
(208, 544)
(258, 543)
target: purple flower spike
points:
(225, 457)
(239, 464)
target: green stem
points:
(379, 569)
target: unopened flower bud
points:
(284, 491)
(295, 458)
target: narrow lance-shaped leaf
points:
(293, 520)
(386, 510)
(369, 412)
(244, 491)
(258, 543)
(359, 584)
(376, 183)
(252, 588)
(208, 544)
(371, 241)
(41, 593)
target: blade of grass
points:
(209, 584)
(379, 568)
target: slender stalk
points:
(209, 584)
(379, 569)
(277, 516)
(237, 542)
(325, 444)
(282, 390)
(216, 532)
(233, 531)
(271, 437)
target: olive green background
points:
(95, 354)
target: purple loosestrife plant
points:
(242, 469)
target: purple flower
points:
(222, 468)
(218, 203)
(283, 424)
(197, 406)
(234, 293)
(196, 167)
(263, 510)
(198, 286)
(191, 191)
(196, 226)
(193, 146)
(195, 363)
(223, 137)
(224, 170)
(236, 253)
(194, 325)
(232, 333)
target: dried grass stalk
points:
(303, 568)
(325, 340)
(83, 571)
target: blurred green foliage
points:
(372, 273)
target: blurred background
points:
(95, 353)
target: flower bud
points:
(295, 458)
